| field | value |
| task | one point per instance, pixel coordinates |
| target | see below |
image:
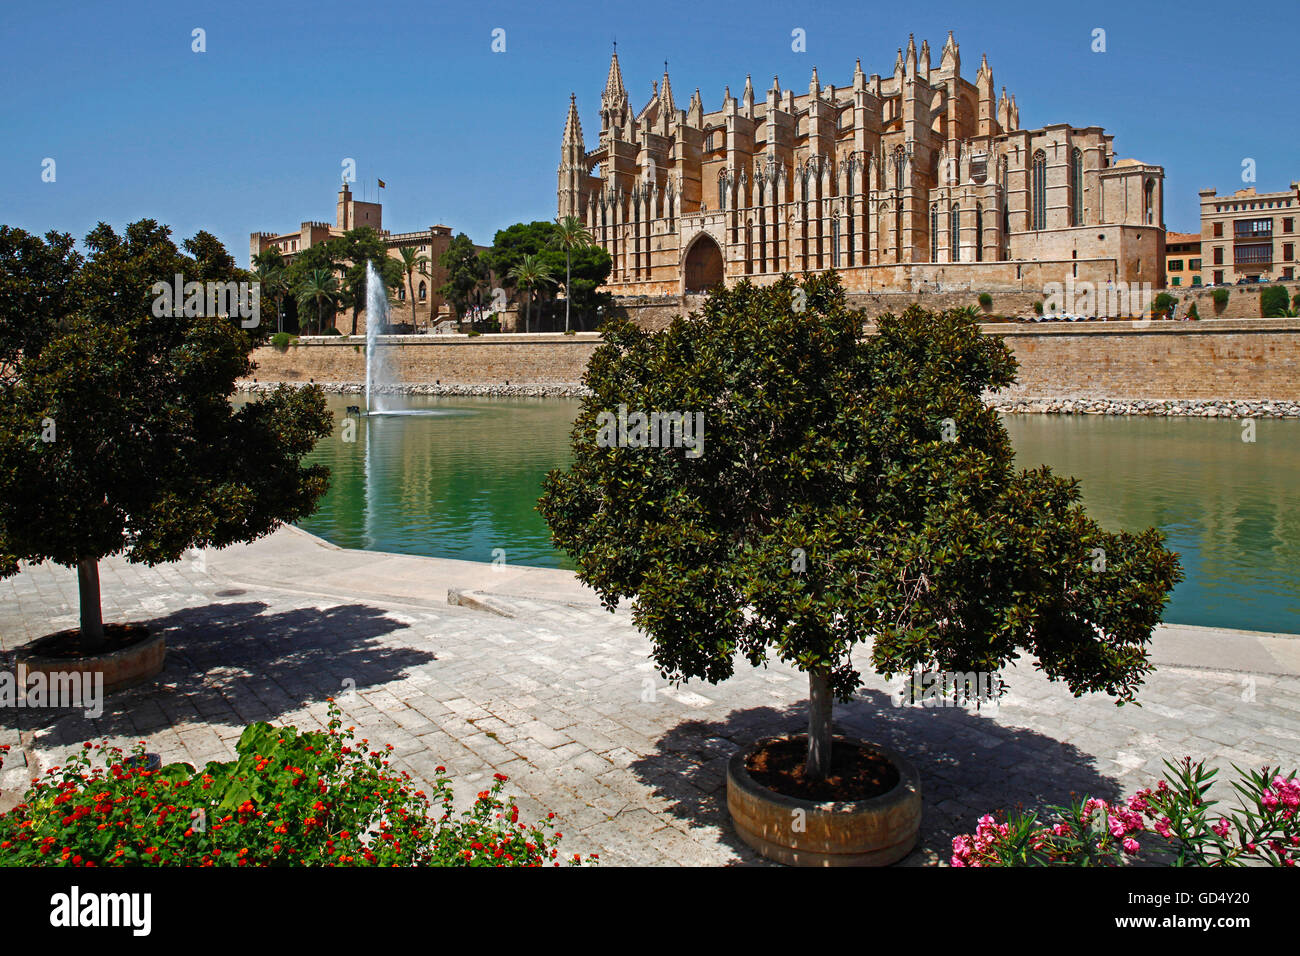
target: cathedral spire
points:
(573, 125)
(748, 96)
(814, 85)
(614, 84)
(666, 93)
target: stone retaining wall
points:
(1214, 361)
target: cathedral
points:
(918, 181)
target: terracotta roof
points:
(1182, 237)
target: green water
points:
(463, 483)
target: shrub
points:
(1192, 312)
(1176, 815)
(473, 332)
(1220, 297)
(288, 799)
(330, 330)
(282, 340)
(986, 301)
(1164, 305)
(1273, 302)
(1038, 308)
(1295, 303)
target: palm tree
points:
(571, 236)
(413, 262)
(529, 274)
(319, 287)
(269, 268)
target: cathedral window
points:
(423, 292)
(1038, 191)
(934, 232)
(954, 233)
(979, 233)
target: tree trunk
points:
(820, 704)
(568, 296)
(92, 617)
(356, 309)
(410, 281)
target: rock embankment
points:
(1190, 408)
(503, 390)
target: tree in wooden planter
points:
(847, 500)
(117, 434)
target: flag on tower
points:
(381, 184)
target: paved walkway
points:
(529, 677)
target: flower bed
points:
(1175, 824)
(289, 798)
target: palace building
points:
(918, 181)
(351, 213)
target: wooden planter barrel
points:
(874, 832)
(122, 668)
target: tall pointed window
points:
(934, 232)
(1076, 187)
(954, 233)
(1038, 191)
(979, 233)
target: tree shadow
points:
(969, 765)
(235, 657)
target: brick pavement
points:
(564, 700)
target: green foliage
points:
(589, 265)
(1220, 298)
(1273, 301)
(318, 292)
(1164, 304)
(1038, 308)
(282, 340)
(985, 300)
(354, 249)
(466, 272)
(290, 798)
(1192, 312)
(831, 445)
(147, 456)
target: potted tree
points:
(117, 435)
(842, 492)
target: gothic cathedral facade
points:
(919, 181)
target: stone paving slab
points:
(563, 699)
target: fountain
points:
(376, 322)
(379, 377)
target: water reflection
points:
(465, 482)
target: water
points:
(461, 479)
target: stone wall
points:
(1245, 359)
(537, 358)
(1215, 359)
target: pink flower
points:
(1222, 827)
(1162, 827)
(1131, 845)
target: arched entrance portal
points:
(703, 269)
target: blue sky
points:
(251, 134)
